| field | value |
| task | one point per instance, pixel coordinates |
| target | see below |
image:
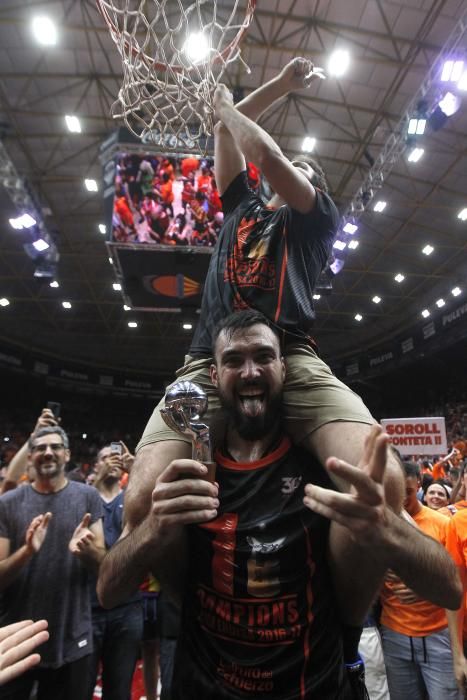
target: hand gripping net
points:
(166, 97)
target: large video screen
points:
(167, 200)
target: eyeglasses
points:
(55, 447)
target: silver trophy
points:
(185, 404)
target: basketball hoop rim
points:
(223, 55)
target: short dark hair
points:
(411, 469)
(239, 320)
(319, 178)
(49, 430)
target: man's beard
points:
(252, 427)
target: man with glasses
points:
(51, 539)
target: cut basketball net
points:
(168, 84)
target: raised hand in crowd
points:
(19, 463)
(17, 641)
(37, 532)
(127, 458)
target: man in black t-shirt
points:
(262, 574)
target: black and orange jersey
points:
(265, 259)
(259, 617)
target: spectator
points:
(19, 463)
(437, 495)
(51, 537)
(117, 633)
(416, 641)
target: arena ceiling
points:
(392, 45)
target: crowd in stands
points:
(147, 623)
(169, 201)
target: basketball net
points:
(166, 94)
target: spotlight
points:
(440, 303)
(40, 245)
(415, 155)
(358, 317)
(425, 313)
(340, 245)
(196, 47)
(380, 206)
(352, 245)
(350, 228)
(456, 291)
(416, 127)
(309, 142)
(23, 221)
(91, 185)
(452, 71)
(446, 107)
(338, 63)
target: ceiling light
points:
(416, 126)
(456, 291)
(117, 287)
(66, 304)
(352, 245)
(452, 71)
(4, 301)
(102, 228)
(91, 185)
(450, 104)
(187, 326)
(350, 228)
(126, 308)
(111, 261)
(428, 249)
(132, 324)
(380, 206)
(399, 278)
(54, 284)
(358, 317)
(376, 299)
(415, 155)
(425, 313)
(462, 215)
(440, 303)
(316, 296)
(73, 124)
(23, 221)
(338, 63)
(44, 30)
(196, 47)
(309, 142)
(340, 245)
(40, 245)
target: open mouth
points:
(252, 401)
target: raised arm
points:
(238, 137)
(157, 543)
(19, 462)
(367, 537)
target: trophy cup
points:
(185, 404)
